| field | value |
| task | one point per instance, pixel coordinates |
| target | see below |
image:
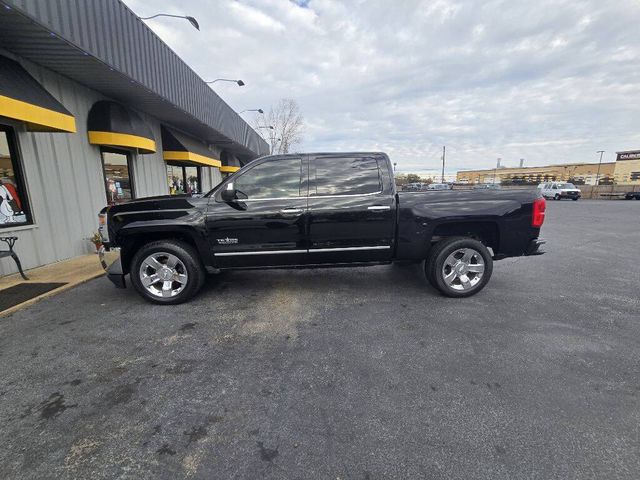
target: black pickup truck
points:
(316, 210)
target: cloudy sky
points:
(547, 81)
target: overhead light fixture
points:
(190, 19)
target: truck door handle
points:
(379, 207)
(291, 210)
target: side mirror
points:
(229, 193)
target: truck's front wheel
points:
(459, 267)
(167, 272)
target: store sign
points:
(629, 156)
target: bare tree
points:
(287, 123)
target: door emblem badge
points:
(227, 241)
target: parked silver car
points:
(439, 186)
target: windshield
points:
(566, 185)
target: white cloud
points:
(547, 81)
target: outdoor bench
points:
(11, 241)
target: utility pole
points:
(444, 150)
(495, 171)
(599, 163)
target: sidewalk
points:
(71, 272)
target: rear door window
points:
(346, 176)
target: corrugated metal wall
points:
(64, 179)
(109, 31)
(210, 178)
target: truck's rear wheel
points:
(459, 267)
(167, 272)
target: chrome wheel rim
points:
(163, 274)
(463, 269)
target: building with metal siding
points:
(82, 53)
(628, 167)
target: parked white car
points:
(439, 186)
(559, 190)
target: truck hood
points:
(162, 202)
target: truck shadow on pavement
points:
(408, 278)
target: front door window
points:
(272, 179)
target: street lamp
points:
(191, 20)
(239, 82)
(599, 163)
(259, 110)
(274, 143)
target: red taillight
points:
(539, 206)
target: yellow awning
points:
(190, 157)
(178, 147)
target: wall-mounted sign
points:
(629, 155)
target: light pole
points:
(599, 163)
(239, 82)
(443, 155)
(191, 20)
(268, 127)
(273, 145)
(259, 110)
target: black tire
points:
(574, 199)
(435, 266)
(186, 254)
(556, 197)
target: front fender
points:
(132, 235)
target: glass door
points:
(118, 178)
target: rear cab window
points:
(357, 175)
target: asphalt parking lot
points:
(360, 373)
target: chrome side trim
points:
(348, 249)
(342, 196)
(379, 207)
(261, 252)
(312, 250)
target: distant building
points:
(583, 173)
(434, 175)
(628, 167)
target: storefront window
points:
(117, 176)
(183, 179)
(14, 209)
